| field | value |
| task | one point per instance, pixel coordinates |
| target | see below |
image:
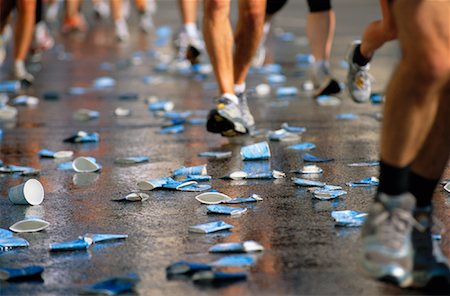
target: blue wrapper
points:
(214, 154)
(218, 277)
(75, 245)
(190, 171)
(183, 267)
(83, 137)
(312, 158)
(210, 227)
(217, 209)
(114, 286)
(4, 233)
(370, 181)
(176, 129)
(12, 242)
(287, 91)
(20, 273)
(347, 116)
(293, 129)
(256, 151)
(104, 237)
(234, 261)
(241, 247)
(302, 146)
(132, 159)
(349, 218)
(308, 183)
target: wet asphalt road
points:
(304, 252)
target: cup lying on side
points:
(29, 193)
(85, 165)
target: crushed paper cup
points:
(194, 187)
(85, 165)
(161, 106)
(212, 198)
(135, 196)
(74, 245)
(10, 86)
(29, 193)
(12, 243)
(286, 91)
(217, 277)
(103, 237)
(4, 233)
(234, 261)
(347, 116)
(25, 101)
(194, 170)
(155, 183)
(210, 227)
(23, 273)
(305, 146)
(349, 218)
(238, 200)
(177, 185)
(218, 209)
(266, 175)
(326, 100)
(122, 112)
(283, 136)
(293, 129)
(327, 194)
(326, 187)
(310, 169)
(86, 114)
(258, 151)
(184, 267)
(29, 225)
(262, 89)
(368, 163)
(83, 137)
(104, 82)
(132, 159)
(8, 112)
(216, 155)
(307, 85)
(308, 183)
(197, 178)
(369, 181)
(276, 79)
(175, 129)
(242, 247)
(52, 154)
(311, 158)
(238, 175)
(114, 286)
(305, 58)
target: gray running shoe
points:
(230, 119)
(359, 82)
(249, 121)
(386, 235)
(431, 267)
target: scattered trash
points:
(304, 58)
(139, 196)
(262, 89)
(104, 237)
(77, 91)
(447, 187)
(104, 82)
(176, 129)
(243, 247)
(370, 181)
(25, 101)
(23, 170)
(132, 159)
(212, 198)
(302, 146)
(161, 106)
(241, 175)
(218, 277)
(311, 158)
(364, 163)
(217, 209)
(51, 95)
(122, 112)
(74, 245)
(327, 194)
(10, 86)
(256, 151)
(193, 187)
(128, 96)
(286, 91)
(307, 85)
(349, 218)
(308, 183)
(29, 193)
(194, 170)
(187, 268)
(24, 273)
(177, 185)
(216, 155)
(155, 183)
(310, 169)
(328, 101)
(347, 116)
(8, 112)
(29, 225)
(276, 79)
(9, 243)
(85, 165)
(197, 178)
(377, 98)
(237, 200)
(86, 114)
(4, 233)
(283, 135)
(234, 261)
(293, 129)
(114, 286)
(52, 154)
(210, 227)
(83, 137)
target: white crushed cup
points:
(29, 193)
(85, 165)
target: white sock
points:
(231, 97)
(239, 88)
(191, 30)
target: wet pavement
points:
(304, 252)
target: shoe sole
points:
(386, 274)
(219, 124)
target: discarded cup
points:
(234, 261)
(25, 101)
(4, 233)
(132, 159)
(175, 129)
(370, 181)
(312, 158)
(85, 165)
(29, 193)
(276, 79)
(74, 245)
(161, 106)
(29, 225)
(237, 200)
(347, 116)
(194, 187)
(216, 155)
(197, 178)
(10, 86)
(293, 129)
(308, 183)
(327, 194)
(178, 185)
(122, 112)
(184, 267)
(302, 146)
(114, 286)
(135, 196)
(212, 198)
(364, 163)
(349, 218)
(287, 91)
(258, 151)
(155, 183)
(8, 112)
(218, 277)
(103, 237)
(242, 247)
(447, 187)
(52, 154)
(23, 273)
(310, 169)
(210, 227)
(86, 114)
(283, 135)
(104, 82)
(328, 101)
(217, 209)
(12, 243)
(83, 137)
(194, 170)
(262, 89)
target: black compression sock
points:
(422, 188)
(393, 180)
(358, 58)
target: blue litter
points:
(67, 166)
(194, 188)
(312, 158)
(75, 245)
(10, 86)
(238, 200)
(286, 91)
(234, 261)
(196, 121)
(83, 137)
(4, 233)
(347, 116)
(328, 100)
(210, 227)
(242, 247)
(184, 267)
(12, 242)
(161, 106)
(293, 129)
(176, 129)
(104, 82)
(368, 163)
(370, 181)
(287, 37)
(155, 183)
(349, 218)
(20, 273)
(308, 183)
(190, 171)
(177, 185)
(218, 277)
(377, 98)
(132, 159)
(276, 79)
(77, 90)
(216, 155)
(326, 194)
(114, 286)
(217, 209)
(197, 178)
(258, 151)
(104, 237)
(302, 146)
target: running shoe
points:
(431, 267)
(42, 40)
(230, 118)
(101, 9)
(324, 83)
(122, 33)
(359, 82)
(188, 48)
(146, 22)
(386, 235)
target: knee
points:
(216, 7)
(431, 66)
(253, 16)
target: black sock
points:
(393, 180)
(422, 188)
(358, 58)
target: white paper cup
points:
(29, 193)
(85, 165)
